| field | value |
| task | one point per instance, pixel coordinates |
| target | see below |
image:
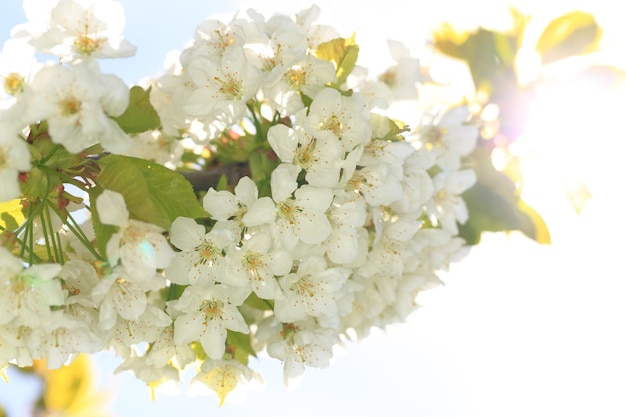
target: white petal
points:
(186, 234)
(314, 198)
(283, 141)
(312, 227)
(112, 208)
(214, 339)
(221, 205)
(246, 191)
(262, 211)
(284, 181)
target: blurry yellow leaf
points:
(11, 215)
(341, 52)
(70, 391)
(572, 34)
(3, 374)
(449, 41)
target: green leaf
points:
(139, 116)
(240, 346)
(153, 193)
(341, 52)
(574, 33)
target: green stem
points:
(75, 228)
(44, 226)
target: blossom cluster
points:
(346, 218)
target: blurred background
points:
(520, 328)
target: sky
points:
(518, 329)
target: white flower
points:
(164, 350)
(451, 137)
(301, 216)
(224, 87)
(308, 76)
(148, 327)
(28, 293)
(244, 208)
(77, 103)
(402, 78)
(203, 258)
(79, 279)
(262, 264)
(320, 156)
(346, 117)
(343, 243)
(17, 66)
(447, 207)
(300, 347)
(117, 296)
(140, 246)
(207, 314)
(73, 29)
(311, 291)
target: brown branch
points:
(203, 180)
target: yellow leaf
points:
(11, 214)
(449, 41)
(341, 52)
(70, 390)
(572, 34)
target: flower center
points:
(334, 125)
(296, 77)
(231, 87)
(208, 253)
(304, 287)
(304, 154)
(70, 106)
(14, 83)
(287, 210)
(434, 136)
(212, 309)
(253, 261)
(86, 45)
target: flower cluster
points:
(339, 217)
